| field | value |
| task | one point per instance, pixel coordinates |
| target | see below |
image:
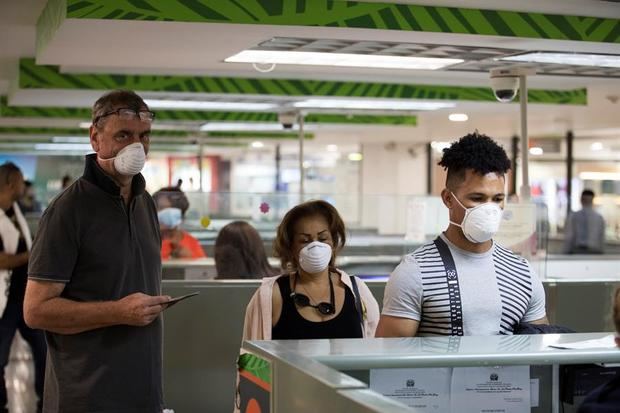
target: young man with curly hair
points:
(464, 283)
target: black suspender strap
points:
(358, 300)
(454, 293)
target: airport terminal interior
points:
(263, 104)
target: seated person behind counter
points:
(313, 299)
(172, 204)
(239, 253)
(585, 229)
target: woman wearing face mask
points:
(312, 299)
(175, 243)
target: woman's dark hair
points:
(240, 253)
(285, 236)
(175, 196)
(474, 151)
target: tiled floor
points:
(19, 377)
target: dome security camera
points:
(287, 119)
(505, 82)
(505, 88)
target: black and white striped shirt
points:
(497, 290)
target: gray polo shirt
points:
(102, 250)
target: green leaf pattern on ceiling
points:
(201, 116)
(353, 14)
(17, 130)
(33, 76)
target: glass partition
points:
(380, 229)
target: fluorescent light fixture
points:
(458, 117)
(376, 104)
(596, 146)
(578, 59)
(70, 139)
(332, 148)
(355, 156)
(244, 126)
(306, 164)
(341, 59)
(85, 125)
(600, 176)
(83, 147)
(536, 150)
(206, 105)
(257, 144)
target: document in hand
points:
(175, 300)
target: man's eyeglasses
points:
(127, 114)
(324, 308)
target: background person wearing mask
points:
(172, 204)
(313, 299)
(239, 253)
(464, 283)
(95, 274)
(585, 229)
(15, 242)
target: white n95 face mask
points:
(170, 217)
(481, 222)
(315, 257)
(130, 160)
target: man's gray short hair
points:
(7, 171)
(116, 99)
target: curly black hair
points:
(474, 151)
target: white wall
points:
(390, 173)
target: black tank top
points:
(292, 326)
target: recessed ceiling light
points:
(341, 59)
(257, 144)
(206, 105)
(458, 117)
(332, 148)
(376, 104)
(596, 146)
(536, 150)
(578, 59)
(355, 156)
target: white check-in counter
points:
(341, 375)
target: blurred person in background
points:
(172, 204)
(66, 181)
(28, 202)
(312, 299)
(239, 253)
(585, 229)
(15, 245)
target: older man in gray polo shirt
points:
(95, 274)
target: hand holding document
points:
(175, 300)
